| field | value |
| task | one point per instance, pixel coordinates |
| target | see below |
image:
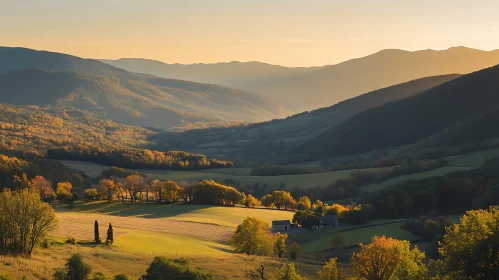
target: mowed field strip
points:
(236, 174)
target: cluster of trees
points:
(24, 221)
(139, 158)
(14, 166)
(449, 194)
(253, 237)
(34, 130)
(161, 268)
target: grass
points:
(473, 160)
(314, 241)
(416, 176)
(113, 261)
(214, 215)
(235, 174)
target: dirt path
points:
(81, 226)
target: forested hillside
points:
(265, 139)
(123, 96)
(409, 120)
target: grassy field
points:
(112, 261)
(416, 176)
(236, 174)
(314, 241)
(473, 160)
(203, 214)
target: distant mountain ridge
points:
(127, 97)
(303, 89)
(412, 119)
(273, 139)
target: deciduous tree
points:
(330, 271)
(470, 249)
(253, 237)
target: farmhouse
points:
(329, 221)
(281, 225)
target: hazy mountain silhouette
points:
(234, 74)
(203, 100)
(162, 103)
(409, 120)
(303, 89)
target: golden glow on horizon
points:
(285, 32)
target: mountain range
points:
(301, 89)
(30, 77)
(454, 104)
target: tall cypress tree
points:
(96, 232)
(110, 235)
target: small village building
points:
(281, 225)
(329, 221)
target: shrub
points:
(163, 268)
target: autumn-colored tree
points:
(306, 218)
(251, 201)
(280, 244)
(283, 199)
(318, 207)
(158, 187)
(63, 190)
(470, 249)
(23, 183)
(134, 184)
(171, 191)
(335, 209)
(42, 186)
(267, 201)
(288, 272)
(304, 203)
(24, 221)
(330, 271)
(388, 259)
(293, 250)
(253, 237)
(90, 194)
(107, 189)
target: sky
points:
(285, 32)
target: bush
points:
(71, 240)
(122, 277)
(163, 268)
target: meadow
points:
(234, 174)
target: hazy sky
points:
(286, 32)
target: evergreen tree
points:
(96, 232)
(110, 235)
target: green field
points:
(416, 176)
(320, 240)
(473, 160)
(454, 163)
(236, 174)
(216, 215)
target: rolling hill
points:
(278, 135)
(302, 89)
(412, 119)
(160, 102)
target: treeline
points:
(140, 158)
(14, 166)
(449, 194)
